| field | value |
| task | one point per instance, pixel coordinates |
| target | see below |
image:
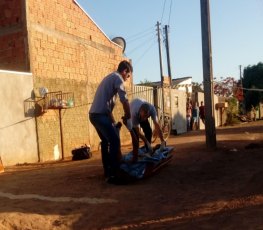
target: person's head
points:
(202, 102)
(144, 112)
(125, 69)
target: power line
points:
(171, 2)
(142, 36)
(132, 37)
(141, 44)
(251, 89)
(163, 11)
(147, 50)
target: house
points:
(174, 100)
(54, 45)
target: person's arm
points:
(112, 118)
(140, 135)
(158, 129)
(135, 140)
(160, 134)
(126, 109)
(123, 98)
(127, 115)
(146, 142)
(135, 146)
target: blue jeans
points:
(145, 125)
(110, 142)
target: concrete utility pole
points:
(168, 54)
(168, 65)
(161, 63)
(208, 75)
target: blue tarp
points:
(137, 170)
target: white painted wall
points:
(200, 97)
(185, 85)
(18, 142)
(179, 111)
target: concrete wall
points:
(18, 142)
(179, 111)
(186, 86)
(219, 114)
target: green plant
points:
(232, 111)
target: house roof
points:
(177, 81)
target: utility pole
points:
(168, 54)
(161, 63)
(168, 65)
(241, 88)
(208, 75)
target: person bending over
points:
(140, 112)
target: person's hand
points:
(150, 149)
(163, 144)
(118, 125)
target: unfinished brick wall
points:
(68, 52)
(13, 36)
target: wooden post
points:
(161, 63)
(208, 75)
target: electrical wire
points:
(137, 61)
(163, 11)
(252, 89)
(141, 44)
(140, 37)
(171, 2)
(132, 37)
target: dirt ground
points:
(198, 189)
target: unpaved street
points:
(199, 189)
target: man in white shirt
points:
(140, 112)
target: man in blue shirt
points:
(101, 116)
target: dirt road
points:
(199, 189)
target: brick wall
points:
(66, 52)
(13, 36)
(69, 53)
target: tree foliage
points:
(225, 87)
(146, 82)
(253, 85)
(197, 87)
(232, 110)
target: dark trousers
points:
(110, 142)
(147, 130)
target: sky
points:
(236, 34)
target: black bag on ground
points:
(81, 153)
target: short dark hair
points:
(145, 107)
(124, 65)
